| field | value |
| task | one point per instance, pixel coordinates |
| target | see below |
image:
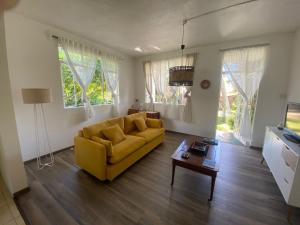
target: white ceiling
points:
(126, 24)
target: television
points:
(292, 122)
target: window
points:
(97, 92)
(157, 76)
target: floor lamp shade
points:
(36, 95)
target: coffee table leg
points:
(213, 181)
(173, 171)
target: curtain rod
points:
(245, 46)
(118, 56)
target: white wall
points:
(294, 90)
(11, 164)
(272, 95)
(33, 62)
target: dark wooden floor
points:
(245, 193)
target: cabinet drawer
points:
(286, 174)
(289, 158)
(285, 187)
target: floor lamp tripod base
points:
(45, 157)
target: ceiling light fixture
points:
(183, 75)
(138, 49)
(156, 48)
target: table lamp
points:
(37, 97)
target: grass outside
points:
(225, 124)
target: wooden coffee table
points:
(207, 165)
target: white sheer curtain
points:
(111, 73)
(168, 99)
(82, 62)
(148, 83)
(188, 116)
(245, 66)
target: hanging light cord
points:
(218, 10)
(182, 41)
(205, 14)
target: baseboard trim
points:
(256, 148)
(54, 152)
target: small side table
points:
(132, 111)
(153, 115)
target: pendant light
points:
(181, 75)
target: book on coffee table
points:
(199, 147)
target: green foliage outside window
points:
(97, 92)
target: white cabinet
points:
(282, 157)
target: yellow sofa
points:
(108, 161)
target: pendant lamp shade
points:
(36, 95)
(181, 76)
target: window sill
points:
(80, 107)
(167, 104)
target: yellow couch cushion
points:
(114, 134)
(106, 143)
(117, 120)
(149, 134)
(126, 147)
(94, 130)
(140, 124)
(154, 123)
(129, 121)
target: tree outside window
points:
(97, 92)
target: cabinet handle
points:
(287, 147)
(277, 138)
(286, 181)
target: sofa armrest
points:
(91, 156)
(154, 123)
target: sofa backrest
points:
(126, 124)
(94, 130)
(117, 120)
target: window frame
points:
(103, 82)
(154, 96)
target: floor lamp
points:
(37, 97)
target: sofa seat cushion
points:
(149, 134)
(126, 147)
